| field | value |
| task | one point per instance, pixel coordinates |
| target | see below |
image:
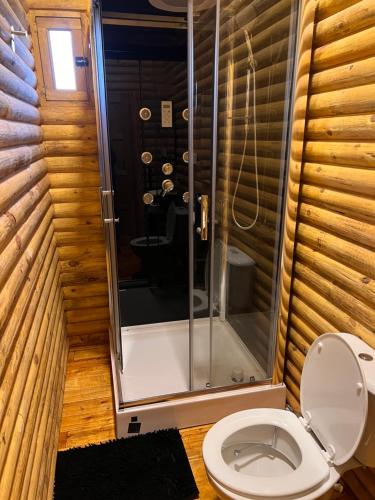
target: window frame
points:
(74, 24)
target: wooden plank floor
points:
(88, 410)
(88, 413)
(193, 438)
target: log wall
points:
(33, 346)
(334, 266)
(70, 150)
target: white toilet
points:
(146, 244)
(240, 270)
(269, 454)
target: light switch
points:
(166, 114)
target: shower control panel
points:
(166, 114)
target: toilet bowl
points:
(150, 241)
(269, 454)
(154, 250)
(200, 298)
(146, 246)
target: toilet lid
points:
(334, 396)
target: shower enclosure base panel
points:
(156, 358)
(156, 363)
(195, 410)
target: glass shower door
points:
(242, 60)
(106, 190)
(203, 65)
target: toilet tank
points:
(366, 449)
(240, 281)
(365, 452)
(240, 278)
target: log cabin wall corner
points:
(70, 148)
(33, 346)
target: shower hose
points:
(250, 71)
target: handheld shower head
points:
(250, 55)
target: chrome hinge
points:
(329, 454)
(306, 420)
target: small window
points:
(61, 46)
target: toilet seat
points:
(155, 240)
(312, 471)
(202, 296)
(150, 241)
(334, 405)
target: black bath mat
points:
(147, 467)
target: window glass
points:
(62, 59)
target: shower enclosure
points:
(193, 158)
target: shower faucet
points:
(167, 186)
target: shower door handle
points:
(203, 229)
(110, 221)
(106, 207)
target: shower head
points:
(247, 38)
(180, 5)
(170, 5)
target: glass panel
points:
(204, 30)
(106, 184)
(148, 138)
(255, 82)
(62, 59)
(146, 81)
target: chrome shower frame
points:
(216, 395)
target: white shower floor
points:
(156, 358)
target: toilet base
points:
(223, 494)
(318, 494)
